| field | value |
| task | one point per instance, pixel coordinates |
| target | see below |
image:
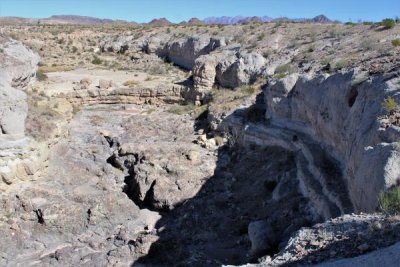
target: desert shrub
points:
(390, 104)
(261, 37)
(96, 60)
(181, 109)
(156, 70)
(247, 89)
(389, 200)
(283, 70)
(61, 41)
(40, 75)
(74, 49)
(1, 50)
(341, 64)
(388, 23)
(396, 42)
(131, 83)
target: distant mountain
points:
(85, 20)
(321, 19)
(256, 19)
(195, 21)
(63, 19)
(317, 19)
(160, 22)
(235, 20)
(17, 20)
(72, 19)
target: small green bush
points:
(388, 23)
(74, 49)
(396, 42)
(247, 89)
(284, 70)
(390, 104)
(96, 60)
(342, 64)
(41, 76)
(389, 200)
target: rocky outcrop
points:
(346, 237)
(211, 60)
(342, 117)
(167, 93)
(184, 52)
(18, 67)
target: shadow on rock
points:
(247, 209)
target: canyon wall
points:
(346, 151)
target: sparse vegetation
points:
(96, 60)
(396, 42)
(283, 70)
(342, 64)
(181, 109)
(41, 75)
(247, 89)
(388, 23)
(54, 68)
(389, 200)
(390, 104)
(131, 83)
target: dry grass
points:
(46, 69)
(131, 83)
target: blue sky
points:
(178, 10)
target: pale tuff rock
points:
(17, 68)
(342, 118)
(184, 52)
(168, 93)
(18, 158)
(210, 59)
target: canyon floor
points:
(254, 145)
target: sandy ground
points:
(64, 82)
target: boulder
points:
(105, 84)
(240, 69)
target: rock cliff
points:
(18, 67)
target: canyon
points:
(264, 144)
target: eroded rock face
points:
(240, 69)
(167, 93)
(340, 238)
(343, 117)
(184, 52)
(13, 110)
(211, 60)
(18, 67)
